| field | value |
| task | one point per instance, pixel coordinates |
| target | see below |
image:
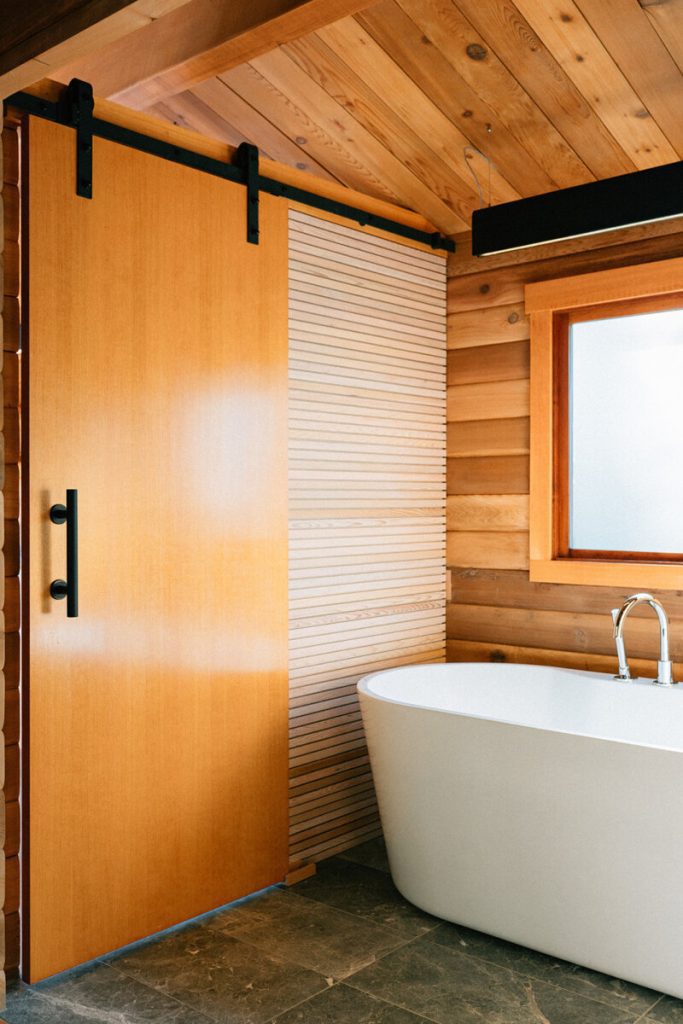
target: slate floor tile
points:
(344, 1005)
(227, 980)
(373, 854)
(633, 998)
(450, 987)
(668, 1011)
(311, 934)
(342, 947)
(95, 995)
(367, 893)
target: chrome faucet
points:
(619, 616)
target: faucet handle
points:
(615, 617)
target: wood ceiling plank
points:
(452, 33)
(512, 39)
(186, 111)
(565, 31)
(667, 18)
(321, 109)
(374, 115)
(368, 62)
(252, 126)
(347, 166)
(402, 40)
(200, 40)
(629, 36)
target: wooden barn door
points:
(157, 388)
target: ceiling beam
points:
(26, 30)
(199, 40)
(39, 37)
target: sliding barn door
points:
(157, 388)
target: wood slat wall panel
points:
(495, 612)
(367, 450)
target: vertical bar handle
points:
(68, 588)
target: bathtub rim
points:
(363, 689)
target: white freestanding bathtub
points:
(540, 805)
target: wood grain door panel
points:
(157, 355)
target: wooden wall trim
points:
(496, 611)
(9, 936)
(605, 286)
(367, 505)
(547, 302)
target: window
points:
(607, 427)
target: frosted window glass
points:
(626, 433)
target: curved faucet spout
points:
(619, 616)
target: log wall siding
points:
(3, 760)
(367, 504)
(495, 613)
(10, 555)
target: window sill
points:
(634, 575)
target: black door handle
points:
(68, 588)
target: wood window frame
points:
(552, 307)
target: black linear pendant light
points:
(624, 201)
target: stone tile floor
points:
(342, 947)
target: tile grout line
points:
(552, 984)
(158, 991)
(329, 982)
(362, 917)
(518, 975)
(649, 1010)
(474, 956)
(302, 1002)
(439, 923)
(395, 949)
(399, 1006)
(46, 997)
(342, 981)
(370, 995)
(292, 963)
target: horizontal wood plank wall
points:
(494, 612)
(367, 504)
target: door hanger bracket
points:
(76, 109)
(247, 157)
